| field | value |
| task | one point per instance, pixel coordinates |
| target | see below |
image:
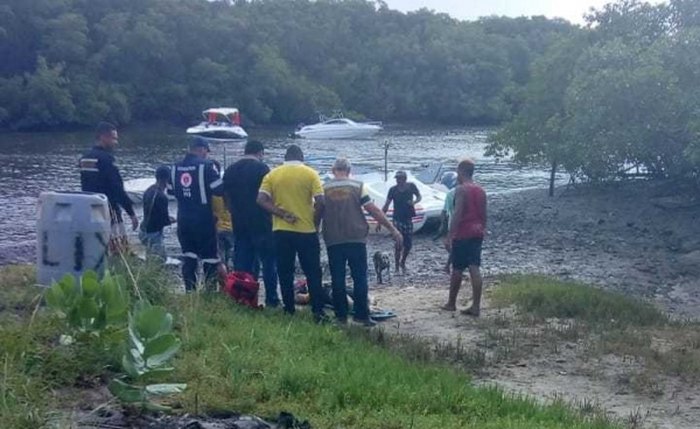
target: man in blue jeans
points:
(345, 234)
(253, 241)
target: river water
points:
(34, 162)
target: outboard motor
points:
(449, 179)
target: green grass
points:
(32, 364)
(547, 297)
(264, 362)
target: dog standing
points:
(381, 262)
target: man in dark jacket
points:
(155, 214)
(99, 174)
(195, 180)
(254, 241)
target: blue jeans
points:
(250, 250)
(354, 255)
(153, 241)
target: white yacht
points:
(338, 128)
(220, 123)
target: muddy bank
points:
(637, 238)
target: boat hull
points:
(218, 132)
(314, 132)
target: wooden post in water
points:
(386, 160)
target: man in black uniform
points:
(99, 174)
(195, 180)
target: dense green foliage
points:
(74, 62)
(620, 98)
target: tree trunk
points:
(552, 176)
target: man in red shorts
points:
(466, 233)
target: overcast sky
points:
(572, 10)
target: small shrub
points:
(546, 297)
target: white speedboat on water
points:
(338, 128)
(221, 123)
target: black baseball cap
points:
(199, 142)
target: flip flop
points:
(380, 315)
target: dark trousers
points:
(354, 255)
(251, 249)
(306, 245)
(198, 241)
(189, 274)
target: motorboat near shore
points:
(428, 210)
(135, 188)
(221, 123)
(337, 127)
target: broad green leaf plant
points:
(151, 345)
(97, 310)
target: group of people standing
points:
(275, 217)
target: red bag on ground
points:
(243, 288)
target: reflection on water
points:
(32, 163)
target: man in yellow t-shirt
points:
(224, 230)
(224, 226)
(293, 194)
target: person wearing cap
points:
(195, 180)
(405, 195)
(466, 234)
(155, 214)
(99, 174)
(293, 194)
(345, 232)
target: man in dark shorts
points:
(402, 195)
(467, 230)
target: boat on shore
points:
(337, 127)
(220, 123)
(428, 210)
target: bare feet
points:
(471, 311)
(448, 307)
